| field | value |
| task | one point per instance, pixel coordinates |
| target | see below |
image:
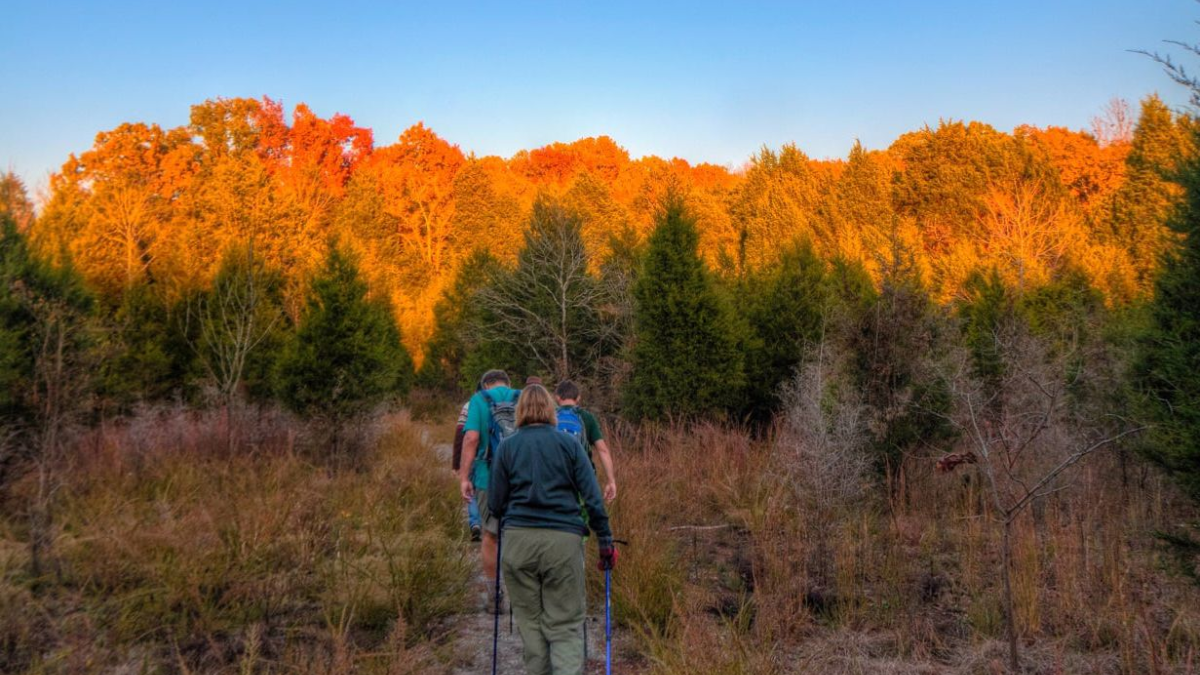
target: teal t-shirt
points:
(479, 419)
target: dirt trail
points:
(472, 642)
(473, 651)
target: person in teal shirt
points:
(473, 521)
(475, 468)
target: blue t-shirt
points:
(479, 419)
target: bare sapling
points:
(59, 382)
(822, 451)
(233, 320)
(1024, 429)
(823, 437)
(549, 306)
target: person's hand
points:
(608, 557)
(467, 488)
(610, 491)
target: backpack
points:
(570, 422)
(503, 424)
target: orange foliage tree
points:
(148, 204)
(113, 208)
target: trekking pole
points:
(607, 622)
(496, 612)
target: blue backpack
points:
(570, 422)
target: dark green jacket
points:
(539, 476)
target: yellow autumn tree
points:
(112, 207)
(400, 210)
(780, 200)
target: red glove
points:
(608, 558)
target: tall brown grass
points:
(732, 569)
(179, 555)
(746, 556)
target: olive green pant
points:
(543, 570)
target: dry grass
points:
(733, 568)
(176, 554)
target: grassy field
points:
(173, 554)
(739, 565)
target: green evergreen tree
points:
(618, 274)
(45, 341)
(346, 355)
(988, 305)
(894, 342)
(851, 288)
(16, 366)
(1168, 367)
(785, 308)
(1064, 311)
(143, 359)
(455, 358)
(686, 360)
(1141, 207)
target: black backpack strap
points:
(487, 441)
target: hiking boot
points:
(476, 533)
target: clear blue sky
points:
(703, 81)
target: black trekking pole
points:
(496, 613)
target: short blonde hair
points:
(535, 406)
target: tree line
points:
(240, 258)
(160, 207)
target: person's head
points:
(532, 379)
(493, 378)
(535, 406)
(567, 391)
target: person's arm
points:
(473, 429)
(596, 438)
(589, 491)
(470, 447)
(610, 478)
(456, 457)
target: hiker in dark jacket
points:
(539, 477)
